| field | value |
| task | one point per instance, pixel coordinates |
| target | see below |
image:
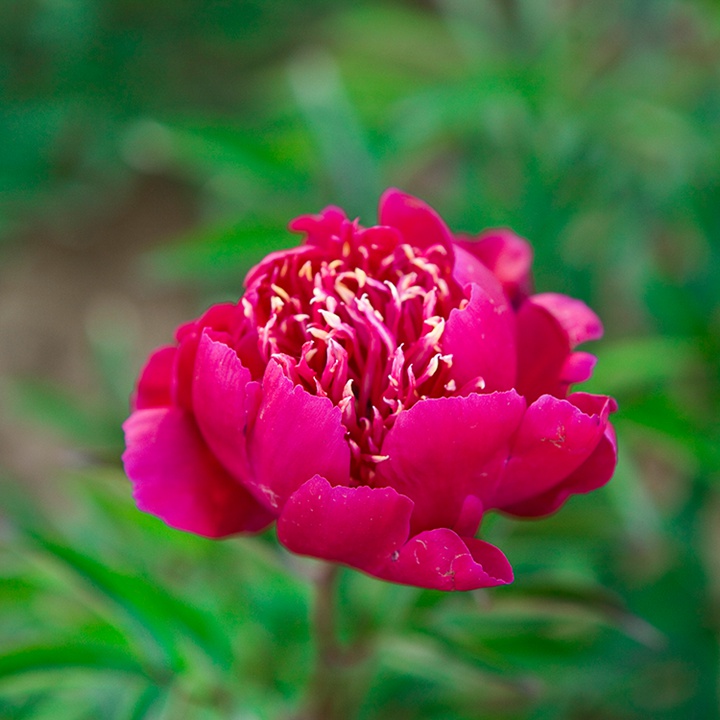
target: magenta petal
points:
(592, 404)
(598, 468)
(507, 255)
(154, 389)
(417, 222)
(471, 514)
(591, 475)
(223, 316)
(224, 401)
(184, 371)
(468, 269)
(441, 560)
(579, 322)
(176, 477)
(554, 439)
(481, 339)
(577, 368)
(296, 435)
(441, 450)
(361, 526)
(543, 348)
(322, 228)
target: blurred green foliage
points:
(591, 128)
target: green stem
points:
(334, 682)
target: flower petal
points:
(481, 339)
(543, 348)
(176, 477)
(320, 229)
(598, 468)
(295, 436)
(554, 439)
(441, 560)
(591, 475)
(360, 526)
(225, 401)
(367, 528)
(154, 388)
(264, 267)
(579, 322)
(417, 222)
(507, 255)
(443, 449)
(468, 269)
(577, 368)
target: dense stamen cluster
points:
(359, 321)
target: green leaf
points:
(70, 654)
(148, 605)
(148, 699)
(349, 164)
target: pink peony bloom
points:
(375, 391)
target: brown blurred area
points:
(64, 282)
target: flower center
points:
(359, 320)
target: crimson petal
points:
(441, 560)
(154, 388)
(577, 368)
(443, 449)
(417, 222)
(177, 478)
(295, 436)
(360, 526)
(543, 348)
(225, 401)
(507, 255)
(591, 475)
(367, 528)
(579, 322)
(481, 339)
(554, 439)
(320, 229)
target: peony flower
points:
(375, 392)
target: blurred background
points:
(150, 152)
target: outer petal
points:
(417, 222)
(579, 322)
(222, 316)
(577, 368)
(367, 528)
(361, 526)
(296, 435)
(178, 479)
(591, 475)
(225, 401)
(468, 269)
(440, 559)
(154, 388)
(549, 327)
(598, 468)
(554, 439)
(481, 339)
(442, 450)
(542, 347)
(507, 255)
